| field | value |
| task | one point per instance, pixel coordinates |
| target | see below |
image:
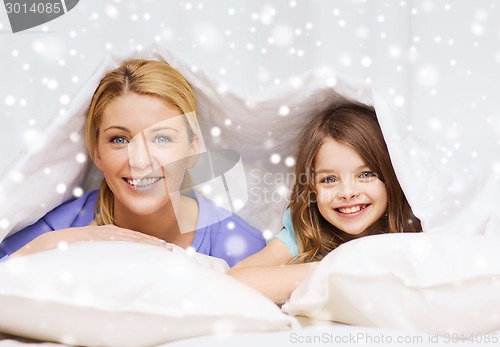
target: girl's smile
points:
(350, 195)
(352, 210)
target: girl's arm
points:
(55, 239)
(268, 272)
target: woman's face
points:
(143, 150)
(350, 195)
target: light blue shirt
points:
(287, 234)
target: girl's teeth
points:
(351, 209)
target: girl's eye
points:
(328, 179)
(162, 139)
(118, 140)
(367, 174)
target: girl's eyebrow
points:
(323, 171)
(361, 167)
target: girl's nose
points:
(347, 191)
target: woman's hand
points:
(63, 237)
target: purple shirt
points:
(219, 233)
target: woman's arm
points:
(268, 272)
(58, 238)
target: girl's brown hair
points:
(142, 77)
(356, 126)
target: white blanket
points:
(260, 126)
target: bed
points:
(440, 286)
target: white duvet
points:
(445, 196)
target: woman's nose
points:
(139, 154)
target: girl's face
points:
(350, 195)
(143, 150)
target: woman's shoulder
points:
(212, 215)
(85, 201)
(224, 234)
(73, 213)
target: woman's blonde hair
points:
(356, 126)
(142, 77)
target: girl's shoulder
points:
(287, 234)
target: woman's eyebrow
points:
(117, 127)
(163, 128)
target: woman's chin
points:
(146, 205)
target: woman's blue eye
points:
(368, 174)
(118, 140)
(162, 139)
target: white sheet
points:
(312, 333)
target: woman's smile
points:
(142, 184)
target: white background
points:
(438, 62)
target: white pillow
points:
(435, 283)
(112, 293)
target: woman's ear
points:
(195, 150)
(97, 158)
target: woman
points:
(142, 133)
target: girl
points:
(345, 187)
(143, 134)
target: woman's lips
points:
(142, 184)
